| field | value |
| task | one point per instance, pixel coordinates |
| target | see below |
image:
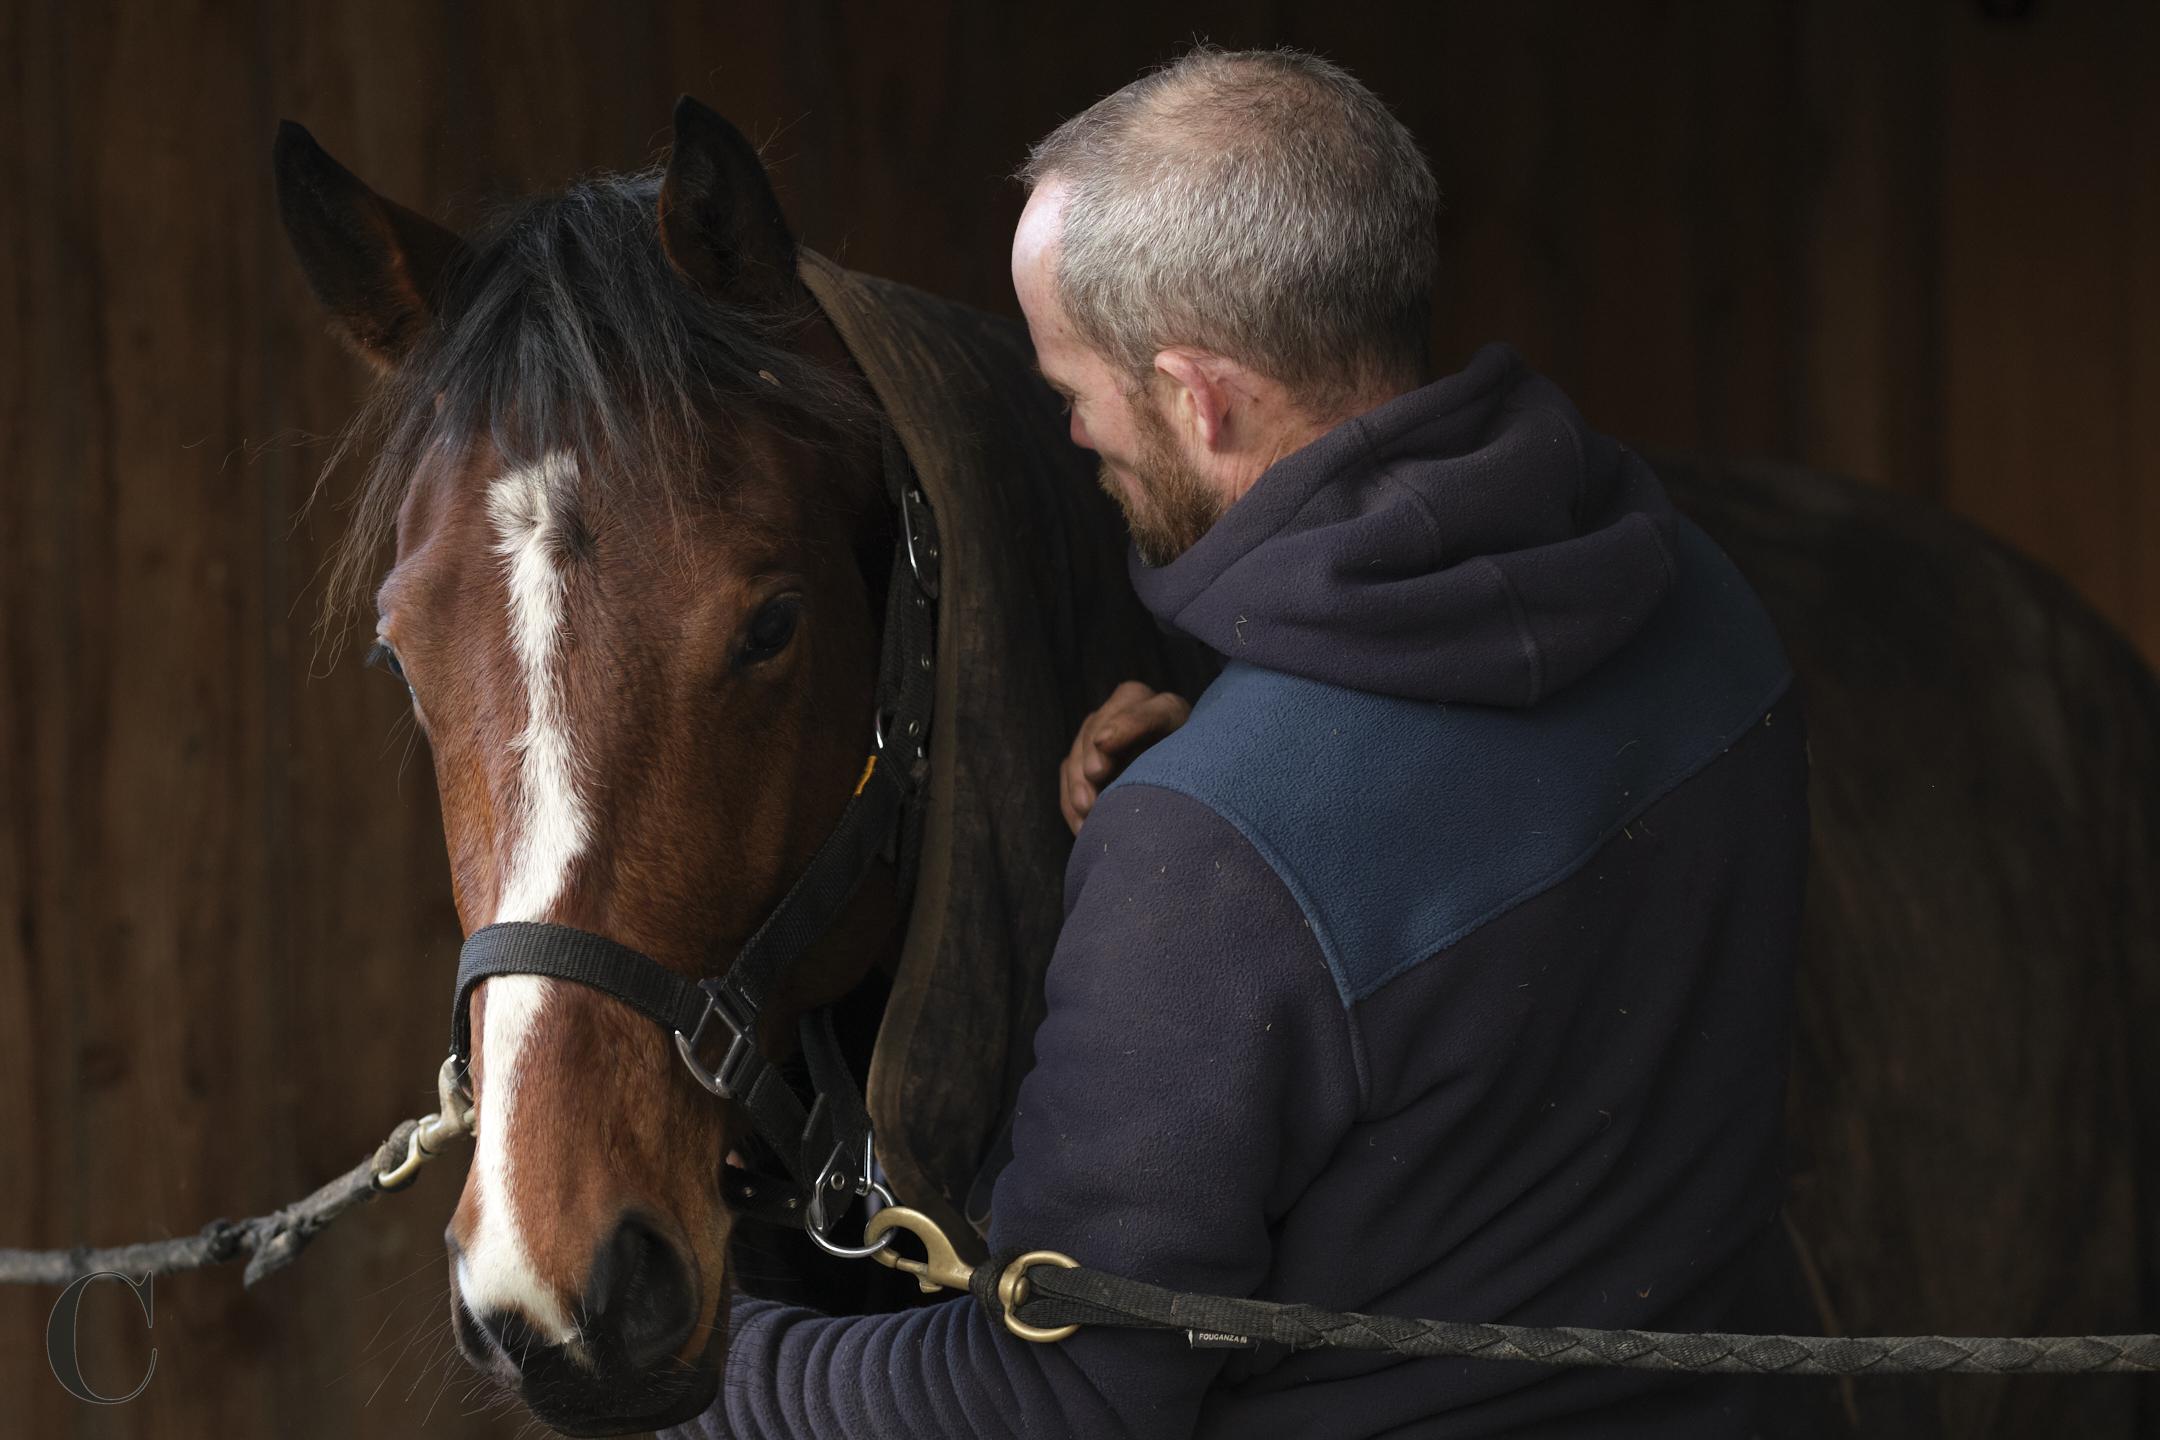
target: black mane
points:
(566, 327)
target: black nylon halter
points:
(824, 1147)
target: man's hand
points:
(1133, 718)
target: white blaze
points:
(552, 824)
(551, 827)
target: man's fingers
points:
(1135, 716)
(1112, 733)
(1149, 721)
(1076, 789)
(1103, 744)
(1117, 733)
(1075, 798)
(1166, 712)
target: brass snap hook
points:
(451, 1121)
(942, 1269)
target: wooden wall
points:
(1905, 241)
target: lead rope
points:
(273, 1241)
(1043, 1296)
(1049, 1296)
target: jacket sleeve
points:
(1194, 1068)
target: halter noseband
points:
(825, 1147)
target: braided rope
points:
(1058, 1296)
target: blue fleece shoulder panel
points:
(1402, 826)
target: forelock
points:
(567, 331)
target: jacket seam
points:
(1322, 939)
(1424, 951)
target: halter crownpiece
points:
(825, 1147)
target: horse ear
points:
(376, 266)
(719, 221)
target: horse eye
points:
(772, 627)
(382, 657)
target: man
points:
(1439, 964)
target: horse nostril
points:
(502, 1332)
(641, 1293)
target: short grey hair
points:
(1260, 204)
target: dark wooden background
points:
(1911, 241)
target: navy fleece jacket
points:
(1439, 966)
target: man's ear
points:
(376, 266)
(1198, 399)
(719, 221)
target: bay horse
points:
(626, 443)
(631, 466)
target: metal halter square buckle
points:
(726, 1079)
(919, 531)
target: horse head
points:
(641, 543)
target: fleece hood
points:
(1473, 540)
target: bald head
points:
(1259, 205)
